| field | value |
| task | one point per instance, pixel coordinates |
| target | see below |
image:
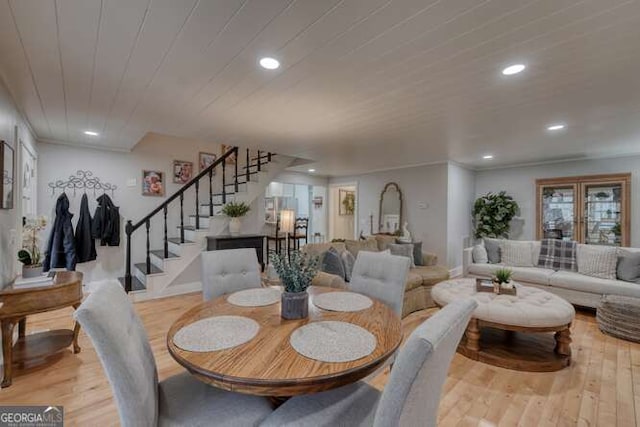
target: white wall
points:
(424, 202)
(519, 182)
(460, 198)
(10, 219)
(155, 152)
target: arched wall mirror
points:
(390, 214)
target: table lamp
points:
(287, 223)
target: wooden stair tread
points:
(142, 266)
(136, 284)
(160, 254)
(176, 240)
(193, 228)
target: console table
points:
(238, 241)
(18, 303)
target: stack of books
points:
(33, 282)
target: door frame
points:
(330, 208)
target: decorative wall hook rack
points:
(82, 180)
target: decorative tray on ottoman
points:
(484, 285)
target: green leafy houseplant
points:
(502, 275)
(295, 272)
(235, 210)
(492, 215)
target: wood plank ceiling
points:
(364, 84)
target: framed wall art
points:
(182, 171)
(152, 183)
(205, 160)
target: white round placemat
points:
(333, 341)
(342, 301)
(255, 297)
(216, 333)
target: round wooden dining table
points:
(267, 365)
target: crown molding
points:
(557, 161)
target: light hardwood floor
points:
(602, 386)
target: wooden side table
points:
(17, 303)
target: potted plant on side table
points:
(295, 272)
(30, 255)
(235, 211)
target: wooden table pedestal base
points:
(519, 348)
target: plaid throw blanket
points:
(558, 255)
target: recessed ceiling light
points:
(269, 63)
(488, 157)
(513, 69)
(91, 133)
(312, 170)
(558, 126)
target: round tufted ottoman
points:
(513, 331)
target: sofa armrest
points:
(429, 259)
(328, 280)
(467, 260)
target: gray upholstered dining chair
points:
(381, 276)
(412, 394)
(229, 270)
(108, 318)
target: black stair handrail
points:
(130, 228)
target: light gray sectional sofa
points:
(580, 289)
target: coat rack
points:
(82, 180)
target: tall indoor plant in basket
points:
(296, 272)
(235, 211)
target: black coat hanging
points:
(60, 251)
(85, 244)
(106, 222)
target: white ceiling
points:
(364, 84)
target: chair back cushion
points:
(381, 276)
(108, 318)
(228, 271)
(412, 394)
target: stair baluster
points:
(224, 183)
(166, 238)
(247, 166)
(211, 193)
(235, 175)
(127, 268)
(259, 164)
(181, 217)
(148, 226)
(197, 205)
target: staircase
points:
(172, 242)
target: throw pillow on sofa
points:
(479, 254)
(417, 251)
(348, 260)
(516, 253)
(332, 263)
(405, 250)
(493, 250)
(558, 254)
(597, 261)
(628, 268)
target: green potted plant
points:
(502, 278)
(295, 272)
(235, 211)
(492, 215)
(30, 255)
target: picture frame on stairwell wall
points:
(231, 160)
(205, 160)
(153, 183)
(182, 171)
